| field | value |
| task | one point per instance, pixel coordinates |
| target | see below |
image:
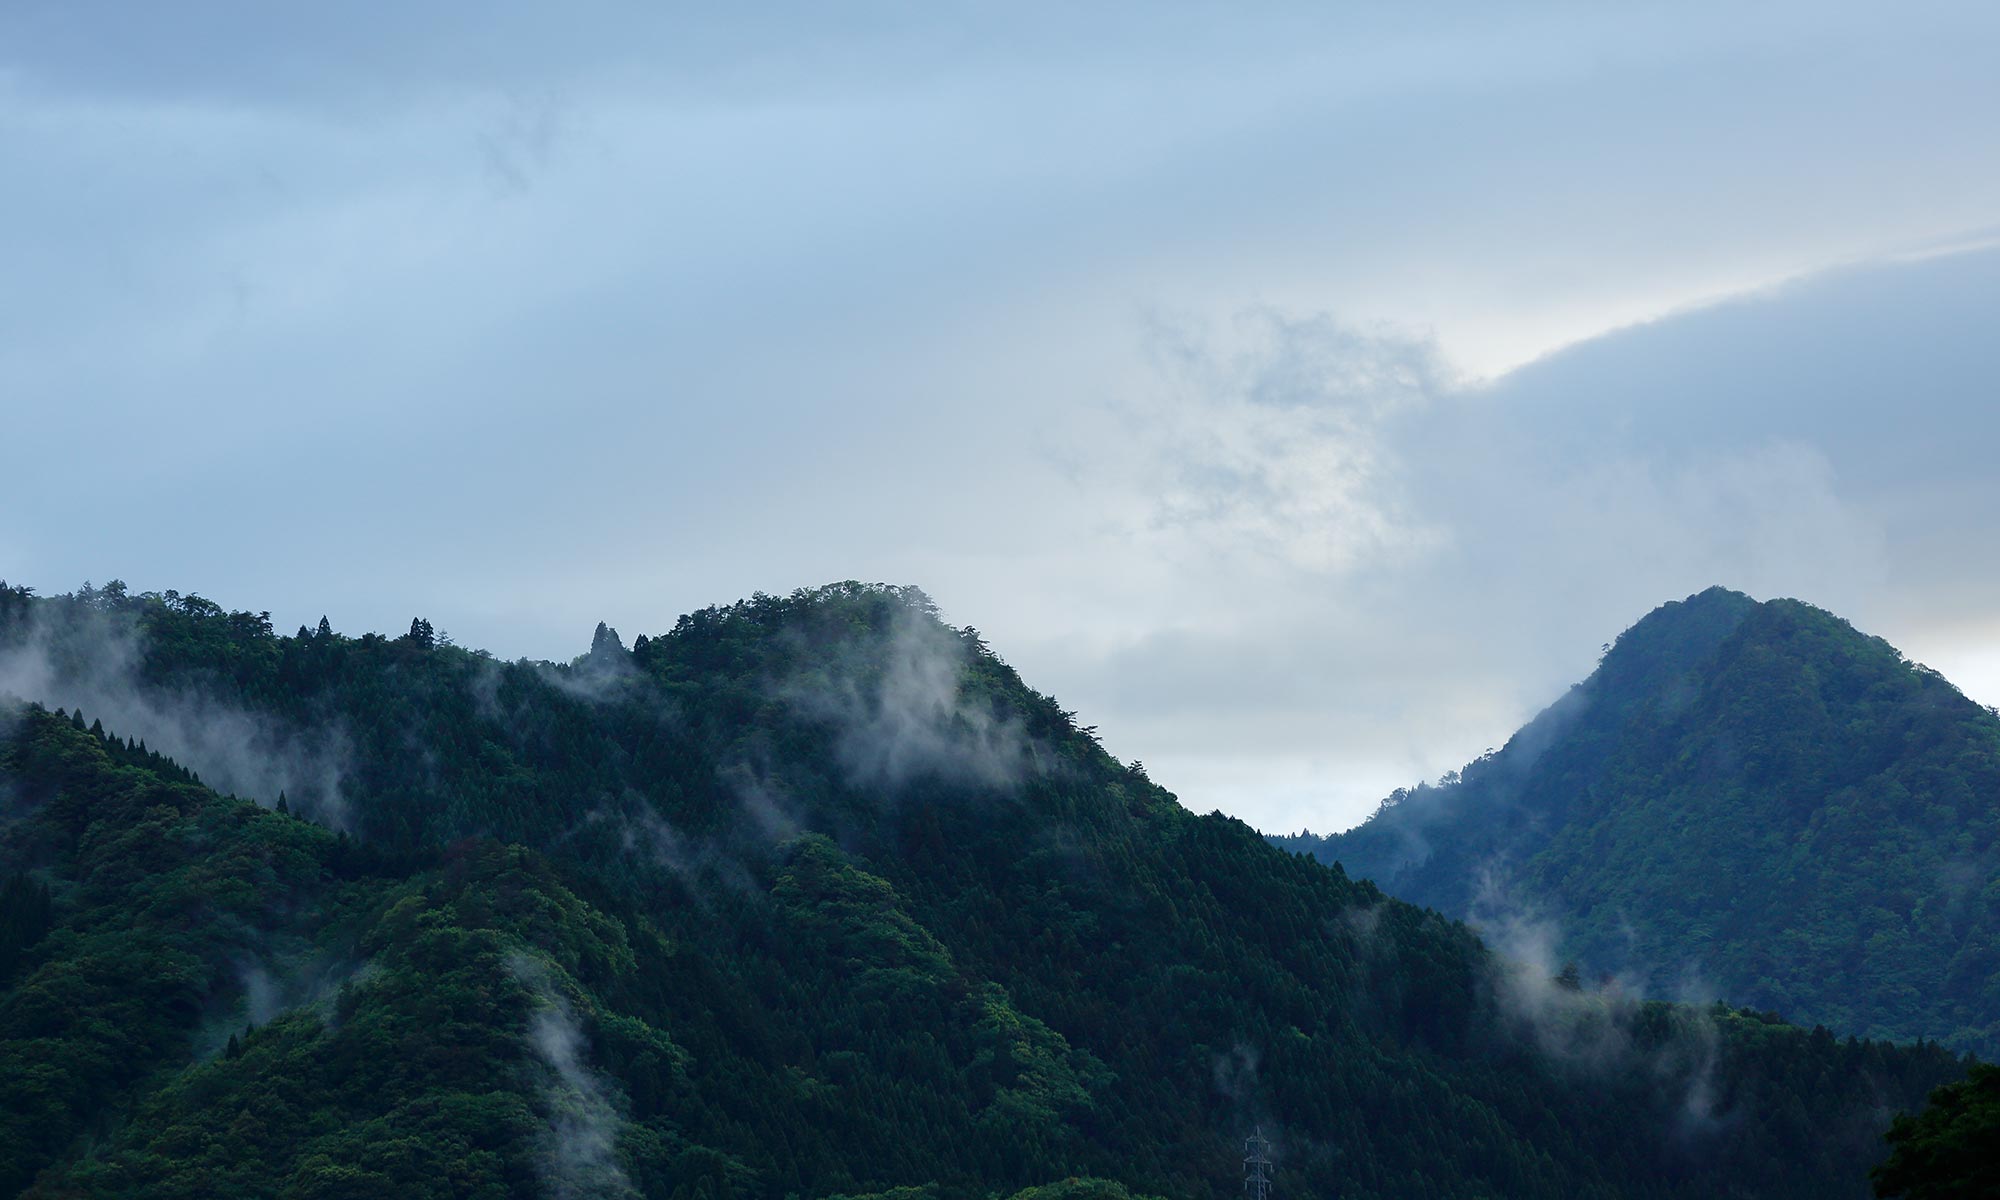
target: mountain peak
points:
(1736, 777)
(1673, 639)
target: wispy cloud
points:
(1591, 1026)
(1275, 436)
(75, 657)
(900, 711)
(578, 1158)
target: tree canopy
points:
(810, 896)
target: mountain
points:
(1751, 794)
(809, 896)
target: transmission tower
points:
(1257, 1166)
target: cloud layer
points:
(1196, 356)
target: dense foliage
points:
(810, 897)
(1754, 793)
(1951, 1150)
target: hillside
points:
(808, 896)
(1749, 798)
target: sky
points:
(1301, 393)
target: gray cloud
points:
(1274, 437)
(1762, 445)
(627, 315)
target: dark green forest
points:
(809, 896)
(1752, 793)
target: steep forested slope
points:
(1755, 793)
(1950, 1150)
(809, 896)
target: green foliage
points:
(1753, 790)
(659, 923)
(1078, 1189)
(1951, 1150)
(26, 912)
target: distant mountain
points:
(1752, 796)
(809, 896)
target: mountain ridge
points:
(810, 895)
(1754, 788)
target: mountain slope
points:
(1753, 792)
(808, 896)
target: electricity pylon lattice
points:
(1257, 1166)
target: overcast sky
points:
(1302, 393)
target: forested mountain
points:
(1754, 795)
(809, 896)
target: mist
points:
(70, 655)
(912, 717)
(578, 1157)
(1594, 1030)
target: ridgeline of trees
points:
(809, 896)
